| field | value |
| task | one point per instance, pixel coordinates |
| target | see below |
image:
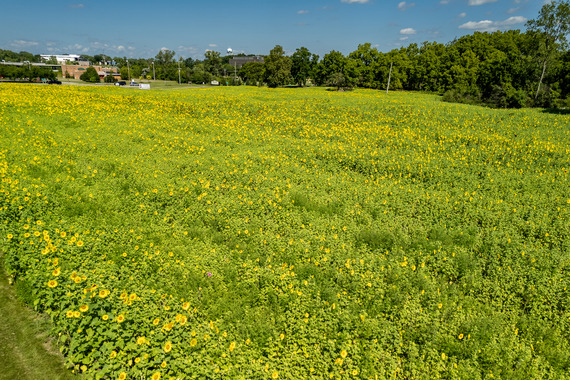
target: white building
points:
(62, 58)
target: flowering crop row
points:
(256, 233)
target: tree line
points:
(27, 73)
(508, 69)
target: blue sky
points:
(139, 29)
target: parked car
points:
(121, 83)
(54, 82)
(134, 84)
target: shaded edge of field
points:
(27, 350)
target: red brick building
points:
(75, 71)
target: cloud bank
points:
(492, 26)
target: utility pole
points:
(153, 73)
(179, 80)
(389, 77)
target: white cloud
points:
(187, 50)
(355, 1)
(404, 38)
(23, 43)
(99, 45)
(492, 26)
(462, 15)
(405, 6)
(408, 31)
(122, 49)
(513, 10)
(302, 12)
(481, 2)
(212, 45)
(444, 2)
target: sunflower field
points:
(253, 233)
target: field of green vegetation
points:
(289, 233)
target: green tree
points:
(427, 67)
(332, 64)
(303, 65)
(401, 64)
(252, 73)
(124, 71)
(277, 67)
(367, 61)
(199, 74)
(337, 80)
(110, 79)
(52, 60)
(9, 56)
(550, 28)
(90, 75)
(165, 66)
(189, 62)
(136, 71)
(565, 77)
(164, 57)
(213, 62)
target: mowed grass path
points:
(26, 351)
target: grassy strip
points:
(26, 349)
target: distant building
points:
(238, 62)
(75, 71)
(62, 58)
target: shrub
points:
(340, 81)
(506, 96)
(467, 95)
(546, 98)
(90, 75)
(110, 79)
